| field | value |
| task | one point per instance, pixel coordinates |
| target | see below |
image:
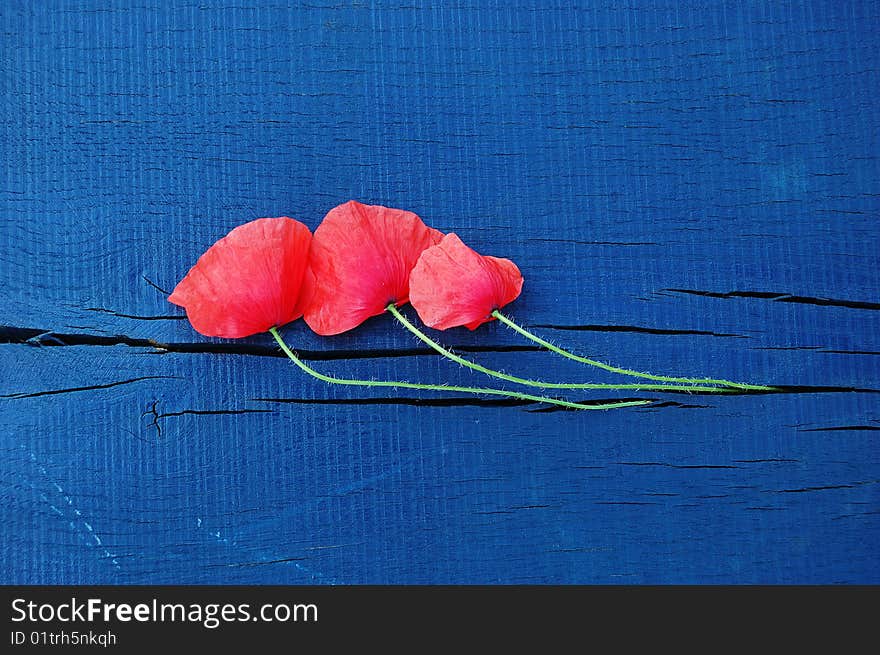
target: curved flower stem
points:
(625, 371)
(440, 387)
(538, 383)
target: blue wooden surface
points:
(659, 170)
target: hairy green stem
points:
(539, 383)
(440, 387)
(625, 371)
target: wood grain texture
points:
(689, 188)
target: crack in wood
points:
(822, 488)
(782, 297)
(158, 416)
(842, 428)
(215, 412)
(92, 387)
(47, 338)
(829, 487)
(782, 388)
(154, 412)
(771, 460)
(679, 466)
(155, 286)
(138, 317)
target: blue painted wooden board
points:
(688, 188)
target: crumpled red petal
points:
(249, 281)
(361, 260)
(452, 285)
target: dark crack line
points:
(332, 355)
(807, 489)
(679, 466)
(830, 487)
(781, 388)
(782, 297)
(155, 413)
(771, 460)
(860, 514)
(88, 388)
(155, 286)
(43, 338)
(164, 317)
(215, 412)
(842, 428)
(46, 338)
(158, 416)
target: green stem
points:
(538, 383)
(440, 387)
(625, 371)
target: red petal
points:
(249, 281)
(452, 285)
(361, 259)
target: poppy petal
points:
(249, 281)
(453, 285)
(362, 256)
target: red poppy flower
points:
(249, 281)
(361, 259)
(452, 285)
